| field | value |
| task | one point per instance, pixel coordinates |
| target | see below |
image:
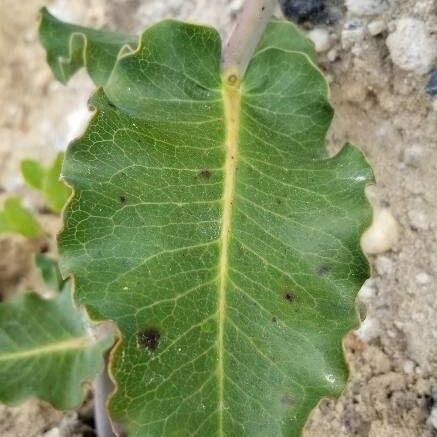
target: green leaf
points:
(46, 351)
(16, 219)
(48, 268)
(33, 173)
(47, 180)
(70, 47)
(286, 36)
(209, 223)
(55, 191)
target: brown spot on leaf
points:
(122, 199)
(205, 173)
(287, 399)
(274, 319)
(149, 338)
(323, 270)
(289, 296)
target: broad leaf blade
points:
(70, 47)
(45, 350)
(210, 225)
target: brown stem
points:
(244, 38)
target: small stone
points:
(418, 220)
(432, 419)
(332, 55)
(431, 85)
(366, 7)
(320, 38)
(313, 11)
(353, 32)
(54, 432)
(411, 46)
(368, 330)
(384, 265)
(408, 367)
(367, 291)
(422, 278)
(382, 235)
(376, 27)
(412, 156)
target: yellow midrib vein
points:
(231, 98)
(62, 346)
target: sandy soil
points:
(379, 107)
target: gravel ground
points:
(380, 58)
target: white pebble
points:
(418, 220)
(332, 55)
(432, 419)
(384, 265)
(367, 291)
(54, 432)
(366, 7)
(376, 27)
(408, 367)
(412, 156)
(368, 330)
(382, 235)
(411, 46)
(423, 278)
(320, 38)
(353, 32)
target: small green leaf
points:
(16, 219)
(33, 173)
(47, 180)
(49, 270)
(70, 47)
(46, 350)
(55, 191)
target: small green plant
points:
(16, 219)
(46, 180)
(209, 224)
(48, 348)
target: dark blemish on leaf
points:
(274, 319)
(149, 338)
(323, 270)
(289, 296)
(287, 399)
(205, 173)
(122, 199)
(278, 201)
(111, 104)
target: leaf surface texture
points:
(209, 223)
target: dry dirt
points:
(379, 107)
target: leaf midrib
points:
(58, 347)
(231, 105)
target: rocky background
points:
(380, 57)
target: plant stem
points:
(244, 38)
(102, 388)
